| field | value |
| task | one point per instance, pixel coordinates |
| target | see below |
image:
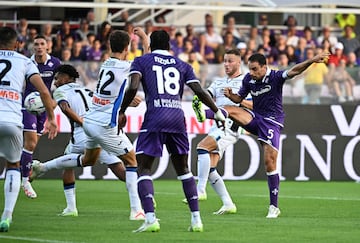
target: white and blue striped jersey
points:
(109, 92)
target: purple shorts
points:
(151, 143)
(267, 130)
(34, 123)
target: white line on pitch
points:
(33, 239)
(307, 197)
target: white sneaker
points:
(68, 212)
(341, 99)
(137, 215)
(231, 209)
(201, 197)
(273, 213)
(37, 169)
(29, 191)
(149, 227)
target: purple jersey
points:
(163, 79)
(47, 72)
(266, 94)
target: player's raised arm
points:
(301, 67)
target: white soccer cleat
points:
(231, 209)
(68, 212)
(149, 227)
(198, 227)
(201, 197)
(29, 191)
(37, 169)
(137, 215)
(273, 213)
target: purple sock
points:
(25, 162)
(189, 188)
(273, 183)
(146, 194)
(210, 114)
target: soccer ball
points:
(33, 103)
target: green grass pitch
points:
(311, 212)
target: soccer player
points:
(34, 124)
(211, 149)
(163, 78)
(74, 101)
(267, 117)
(16, 71)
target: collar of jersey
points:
(162, 52)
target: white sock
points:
(131, 186)
(195, 217)
(70, 197)
(203, 170)
(62, 162)
(11, 192)
(219, 187)
(150, 217)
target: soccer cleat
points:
(149, 227)
(197, 107)
(231, 209)
(37, 169)
(5, 225)
(29, 191)
(273, 213)
(137, 215)
(196, 227)
(201, 197)
(69, 213)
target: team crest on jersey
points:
(50, 64)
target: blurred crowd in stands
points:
(204, 46)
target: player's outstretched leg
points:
(273, 183)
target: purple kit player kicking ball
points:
(267, 117)
(163, 77)
(34, 124)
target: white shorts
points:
(107, 138)
(11, 140)
(227, 138)
(79, 147)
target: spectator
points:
(134, 50)
(343, 20)
(300, 51)
(103, 35)
(292, 37)
(129, 28)
(308, 35)
(281, 43)
(205, 50)
(47, 31)
(314, 78)
(290, 21)
(21, 48)
(65, 55)
(90, 17)
(177, 47)
(253, 37)
(334, 59)
(82, 32)
(190, 35)
(189, 49)
(22, 29)
(213, 39)
(32, 33)
(64, 31)
(231, 27)
(242, 47)
(263, 20)
(342, 83)
(77, 53)
(293, 58)
(193, 61)
(350, 43)
(227, 45)
(326, 35)
(95, 52)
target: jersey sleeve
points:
(31, 69)
(60, 95)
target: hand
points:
(136, 101)
(51, 128)
(140, 32)
(121, 121)
(322, 57)
(220, 119)
(228, 92)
